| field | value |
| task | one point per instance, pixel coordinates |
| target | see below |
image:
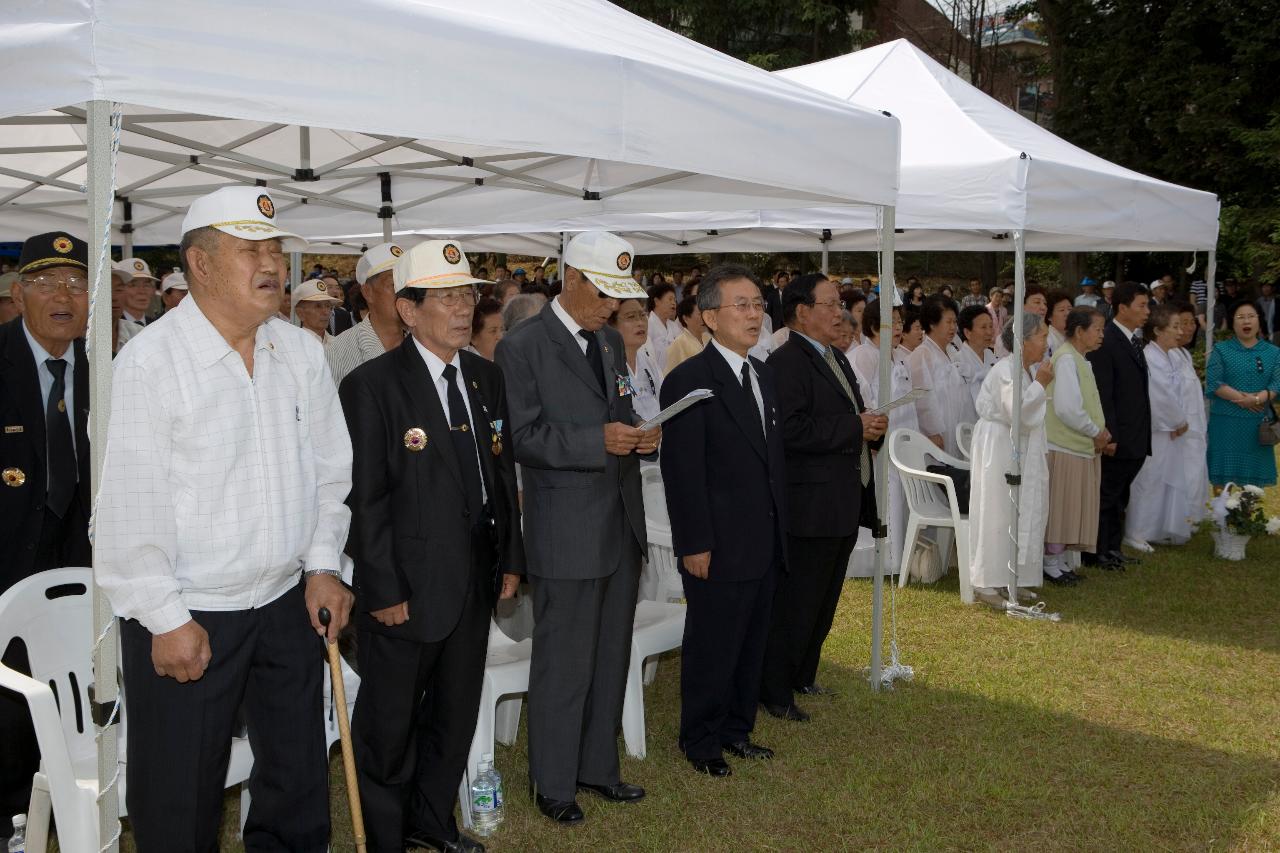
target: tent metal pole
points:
(564, 238)
(126, 230)
(887, 288)
(101, 198)
(1015, 459)
(1211, 292)
(824, 257)
(295, 270)
(386, 212)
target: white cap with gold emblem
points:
(245, 212)
(379, 259)
(315, 290)
(434, 264)
(173, 281)
(133, 268)
(605, 259)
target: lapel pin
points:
(13, 477)
(415, 439)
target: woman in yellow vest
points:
(1077, 435)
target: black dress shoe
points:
(815, 689)
(711, 766)
(1062, 580)
(1075, 576)
(619, 793)
(561, 811)
(1121, 557)
(1109, 566)
(788, 712)
(462, 844)
(747, 749)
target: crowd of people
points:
(461, 437)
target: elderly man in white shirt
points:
(219, 523)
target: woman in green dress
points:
(1242, 379)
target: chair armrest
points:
(947, 459)
(47, 721)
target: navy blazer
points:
(724, 477)
(1122, 387)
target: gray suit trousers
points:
(578, 674)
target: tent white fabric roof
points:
(502, 110)
(973, 171)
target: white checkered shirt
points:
(218, 489)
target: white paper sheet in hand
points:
(677, 407)
(909, 397)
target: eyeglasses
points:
(745, 306)
(49, 284)
(454, 298)
(140, 284)
(826, 303)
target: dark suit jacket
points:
(723, 478)
(411, 534)
(22, 447)
(342, 320)
(823, 437)
(1122, 387)
(578, 499)
(773, 305)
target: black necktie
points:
(593, 357)
(62, 453)
(751, 396)
(464, 444)
(1137, 348)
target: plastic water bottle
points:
(486, 798)
(18, 841)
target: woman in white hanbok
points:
(948, 398)
(1197, 434)
(1161, 497)
(990, 504)
(975, 358)
(1060, 304)
(663, 326)
(866, 367)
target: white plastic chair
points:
(964, 439)
(52, 612)
(659, 627)
(660, 577)
(506, 680)
(931, 501)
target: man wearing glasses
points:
(435, 536)
(139, 289)
(722, 470)
(575, 436)
(44, 452)
(828, 436)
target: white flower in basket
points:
(1254, 490)
(1273, 526)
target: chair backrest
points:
(909, 451)
(52, 613)
(964, 439)
(655, 499)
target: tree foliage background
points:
(1183, 90)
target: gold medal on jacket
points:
(415, 439)
(13, 477)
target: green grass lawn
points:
(1148, 719)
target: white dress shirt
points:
(735, 364)
(570, 324)
(46, 378)
(435, 366)
(218, 488)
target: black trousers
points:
(804, 606)
(578, 676)
(414, 719)
(1113, 500)
(62, 542)
(726, 626)
(268, 660)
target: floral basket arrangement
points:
(1236, 515)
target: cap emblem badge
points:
(266, 207)
(451, 253)
(13, 477)
(624, 260)
(139, 266)
(62, 245)
(321, 286)
(396, 251)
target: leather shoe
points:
(1075, 576)
(1063, 579)
(561, 811)
(1120, 557)
(711, 766)
(788, 712)
(619, 793)
(815, 689)
(462, 844)
(747, 749)
(1109, 565)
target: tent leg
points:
(101, 198)
(824, 257)
(887, 288)
(295, 270)
(1210, 274)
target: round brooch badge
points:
(13, 477)
(451, 253)
(396, 251)
(624, 260)
(62, 245)
(415, 439)
(321, 286)
(139, 266)
(266, 207)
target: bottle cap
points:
(19, 821)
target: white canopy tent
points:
(116, 113)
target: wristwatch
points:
(313, 572)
